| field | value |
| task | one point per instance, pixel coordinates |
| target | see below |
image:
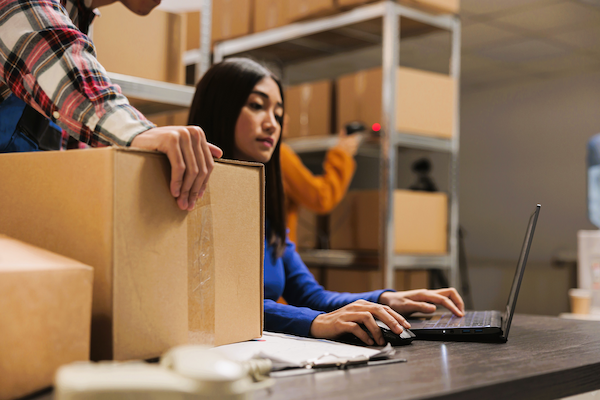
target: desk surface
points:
(545, 358)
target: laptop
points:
(478, 325)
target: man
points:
(50, 80)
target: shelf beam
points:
(155, 91)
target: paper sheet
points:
(296, 351)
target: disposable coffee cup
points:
(581, 300)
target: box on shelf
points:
(357, 281)
(120, 218)
(45, 315)
(148, 47)
(438, 6)
(193, 23)
(225, 249)
(352, 3)
(269, 14)
(424, 100)
(303, 9)
(170, 118)
(230, 19)
(420, 222)
(306, 232)
(308, 107)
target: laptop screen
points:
(514, 290)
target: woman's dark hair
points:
(220, 95)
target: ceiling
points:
(510, 40)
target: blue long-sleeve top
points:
(287, 276)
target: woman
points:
(239, 105)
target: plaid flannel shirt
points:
(48, 61)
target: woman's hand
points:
(347, 318)
(423, 300)
(190, 155)
(348, 143)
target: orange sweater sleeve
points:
(317, 193)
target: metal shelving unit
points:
(340, 44)
(155, 97)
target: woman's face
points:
(257, 129)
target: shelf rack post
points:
(455, 145)
(205, 37)
(387, 163)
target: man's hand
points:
(423, 300)
(190, 155)
(347, 318)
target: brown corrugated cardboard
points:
(45, 316)
(358, 281)
(303, 9)
(347, 3)
(225, 233)
(420, 222)
(152, 48)
(192, 41)
(111, 209)
(231, 18)
(440, 6)
(306, 232)
(309, 109)
(424, 100)
(269, 14)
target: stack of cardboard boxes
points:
(162, 276)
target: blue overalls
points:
(23, 129)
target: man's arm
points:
(46, 61)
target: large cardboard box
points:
(225, 248)
(438, 6)
(230, 19)
(148, 47)
(111, 209)
(358, 281)
(420, 222)
(308, 107)
(269, 14)
(424, 100)
(45, 315)
(303, 9)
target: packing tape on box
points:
(201, 273)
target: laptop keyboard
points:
(471, 319)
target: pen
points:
(305, 371)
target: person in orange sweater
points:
(320, 193)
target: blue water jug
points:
(593, 185)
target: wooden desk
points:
(545, 358)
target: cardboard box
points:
(303, 9)
(424, 100)
(438, 6)
(148, 47)
(420, 222)
(269, 14)
(230, 19)
(45, 316)
(226, 253)
(193, 24)
(307, 229)
(357, 281)
(111, 209)
(308, 107)
(352, 3)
